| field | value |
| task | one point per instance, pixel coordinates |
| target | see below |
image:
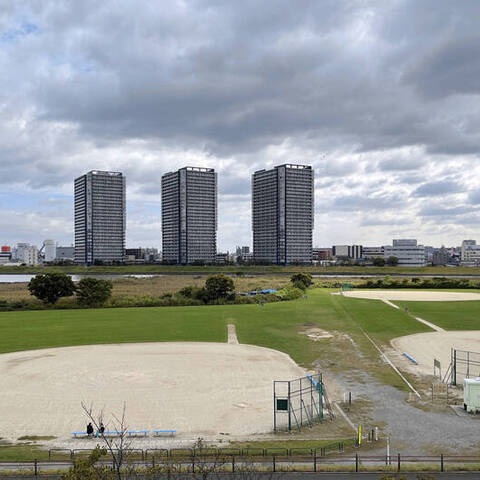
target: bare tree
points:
(118, 445)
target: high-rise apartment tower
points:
(100, 217)
(282, 214)
(189, 215)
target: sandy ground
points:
(425, 347)
(413, 295)
(199, 389)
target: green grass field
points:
(275, 325)
(448, 315)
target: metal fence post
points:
(356, 462)
(35, 466)
(398, 462)
(273, 464)
(233, 464)
(441, 463)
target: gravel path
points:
(412, 430)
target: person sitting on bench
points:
(90, 429)
(101, 429)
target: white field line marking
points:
(426, 322)
(430, 324)
(232, 335)
(393, 366)
(388, 302)
(344, 415)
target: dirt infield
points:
(199, 389)
(413, 295)
(425, 347)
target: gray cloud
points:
(363, 203)
(442, 211)
(377, 96)
(442, 187)
(474, 197)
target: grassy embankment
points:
(447, 315)
(253, 269)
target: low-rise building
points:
(369, 253)
(322, 253)
(26, 253)
(354, 252)
(65, 253)
(243, 255)
(50, 251)
(441, 256)
(222, 258)
(408, 252)
(470, 253)
(5, 254)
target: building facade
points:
(50, 250)
(26, 253)
(65, 253)
(189, 216)
(369, 253)
(348, 251)
(441, 256)
(470, 253)
(100, 217)
(282, 214)
(321, 254)
(407, 251)
(5, 254)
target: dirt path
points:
(232, 335)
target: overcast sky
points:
(381, 97)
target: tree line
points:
(49, 288)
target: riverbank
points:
(246, 270)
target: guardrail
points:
(310, 462)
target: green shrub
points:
(300, 285)
(93, 292)
(49, 287)
(289, 293)
(301, 280)
(219, 286)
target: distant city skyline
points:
(380, 98)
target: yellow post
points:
(359, 434)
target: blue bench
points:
(134, 433)
(79, 433)
(157, 433)
(412, 359)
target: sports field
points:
(448, 315)
(198, 389)
(275, 325)
(282, 326)
(279, 326)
